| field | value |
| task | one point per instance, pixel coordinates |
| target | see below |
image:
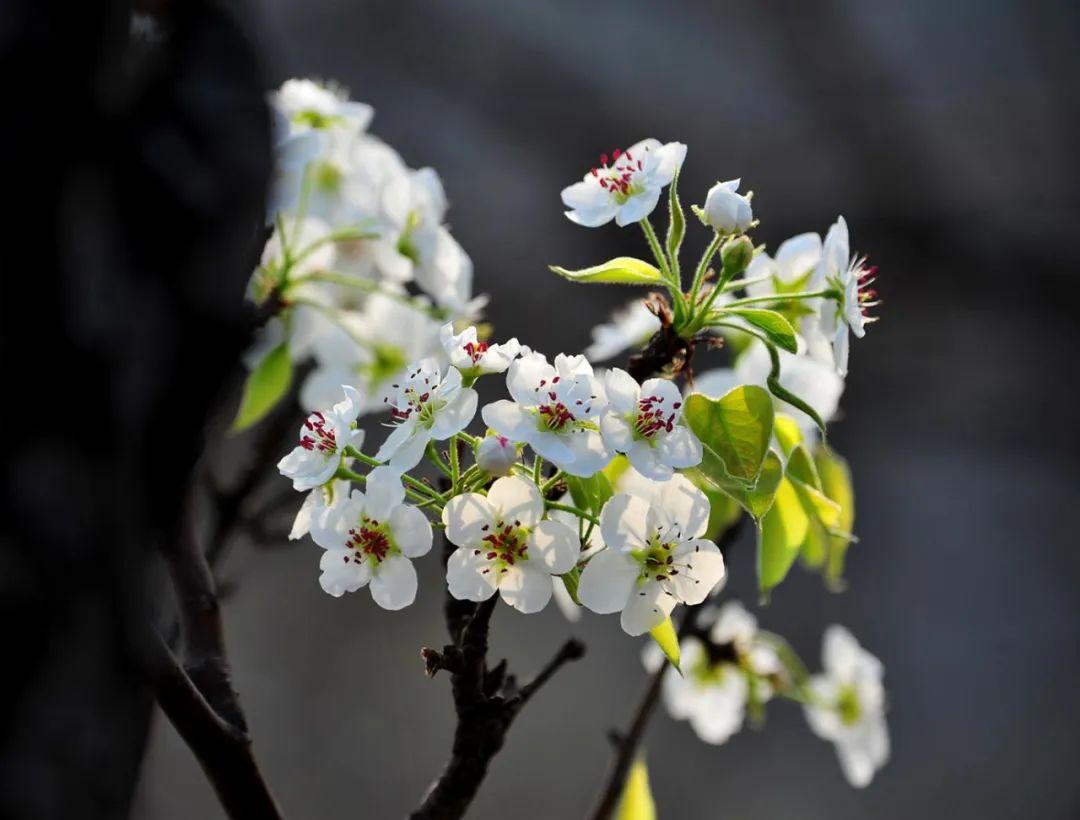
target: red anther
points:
(603, 160)
(616, 154)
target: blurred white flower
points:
(655, 557)
(726, 210)
(425, 406)
(630, 327)
(848, 706)
(628, 189)
(309, 104)
(324, 437)
(645, 422)
(555, 411)
(370, 538)
(503, 544)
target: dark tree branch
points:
(486, 701)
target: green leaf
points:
(590, 493)
(711, 478)
(636, 802)
(772, 324)
(836, 484)
(676, 223)
(787, 432)
(781, 534)
(615, 469)
(667, 640)
(734, 430)
(625, 270)
(801, 467)
(784, 394)
(265, 386)
(570, 581)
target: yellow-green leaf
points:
(836, 484)
(755, 500)
(781, 534)
(668, 641)
(590, 494)
(265, 386)
(624, 270)
(787, 432)
(734, 430)
(772, 324)
(636, 802)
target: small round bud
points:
(736, 255)
(496, 454)
(726, 210)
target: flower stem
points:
(410, 482)
(553, 505)
(828, 293)
(538, 470)
(703, 267)
(455, 466)
(546, 488)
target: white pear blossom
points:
(496, 454)
(308, 104)
(655, 556)
(370, 538)
(503, 544)
(555, 410)
(850, 277)
(293, 150)
(737, 627)
(814, 382)
(473, 357)
(848, 706)
(795, 260)
(645, 422)
(324, 437)
(630, 327)
(317, 504)
(726, 210)
(591, 543)
(425, 406)
(628, 188)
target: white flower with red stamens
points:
(726, 210)
(316, 505)
(628, 188)
(850, 277)
(323, 438)
(655, 556)
(847, 706)
(630, 327)
(504, 545)
(496, 455)
(369, 538)
(645, 422)
(473, 357)
(425, 406)
(555, 411)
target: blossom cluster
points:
(603, 490)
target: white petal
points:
(607, 582)
(684, 506)
(622, 390)
(526, 375)
(307, 469)
(397, 438)
(616, 430)
(509, 419)
(393, 585)
(669, 158)
(411, 531)
(340, 574)
(302, 523)
(465, 517)
(591, 455)
(638, 207)
(570, 610)
(554, 545)
(469, 575)
(330, 531)
(693, 584)
(526, 588)
(645, 458)
(517, 499)
(383, 492)
(680, 448)
(455, 417)
(647, 607)
(410, 453)
(623, 523)
(552, 446)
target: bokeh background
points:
(946, 134)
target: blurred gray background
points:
(946, 133)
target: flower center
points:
(652, 418)
(418, 401)
(847, 704)
(475, 350)
(658, 560)
(318, 439)
(868, 297)
(619, 178)
(370, 541)
(503, 545)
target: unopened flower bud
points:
(726, 210)
(736, 255)
(496, 454)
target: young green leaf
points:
(711, 477)
(265, 386)
(836, 484)
(624, 270)
(787, 432)
(570, 581)
(668, 641)
(636, 801)
(781, 534)
(590, 494)
(778, 329)
(676, 225)
(734, 430)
